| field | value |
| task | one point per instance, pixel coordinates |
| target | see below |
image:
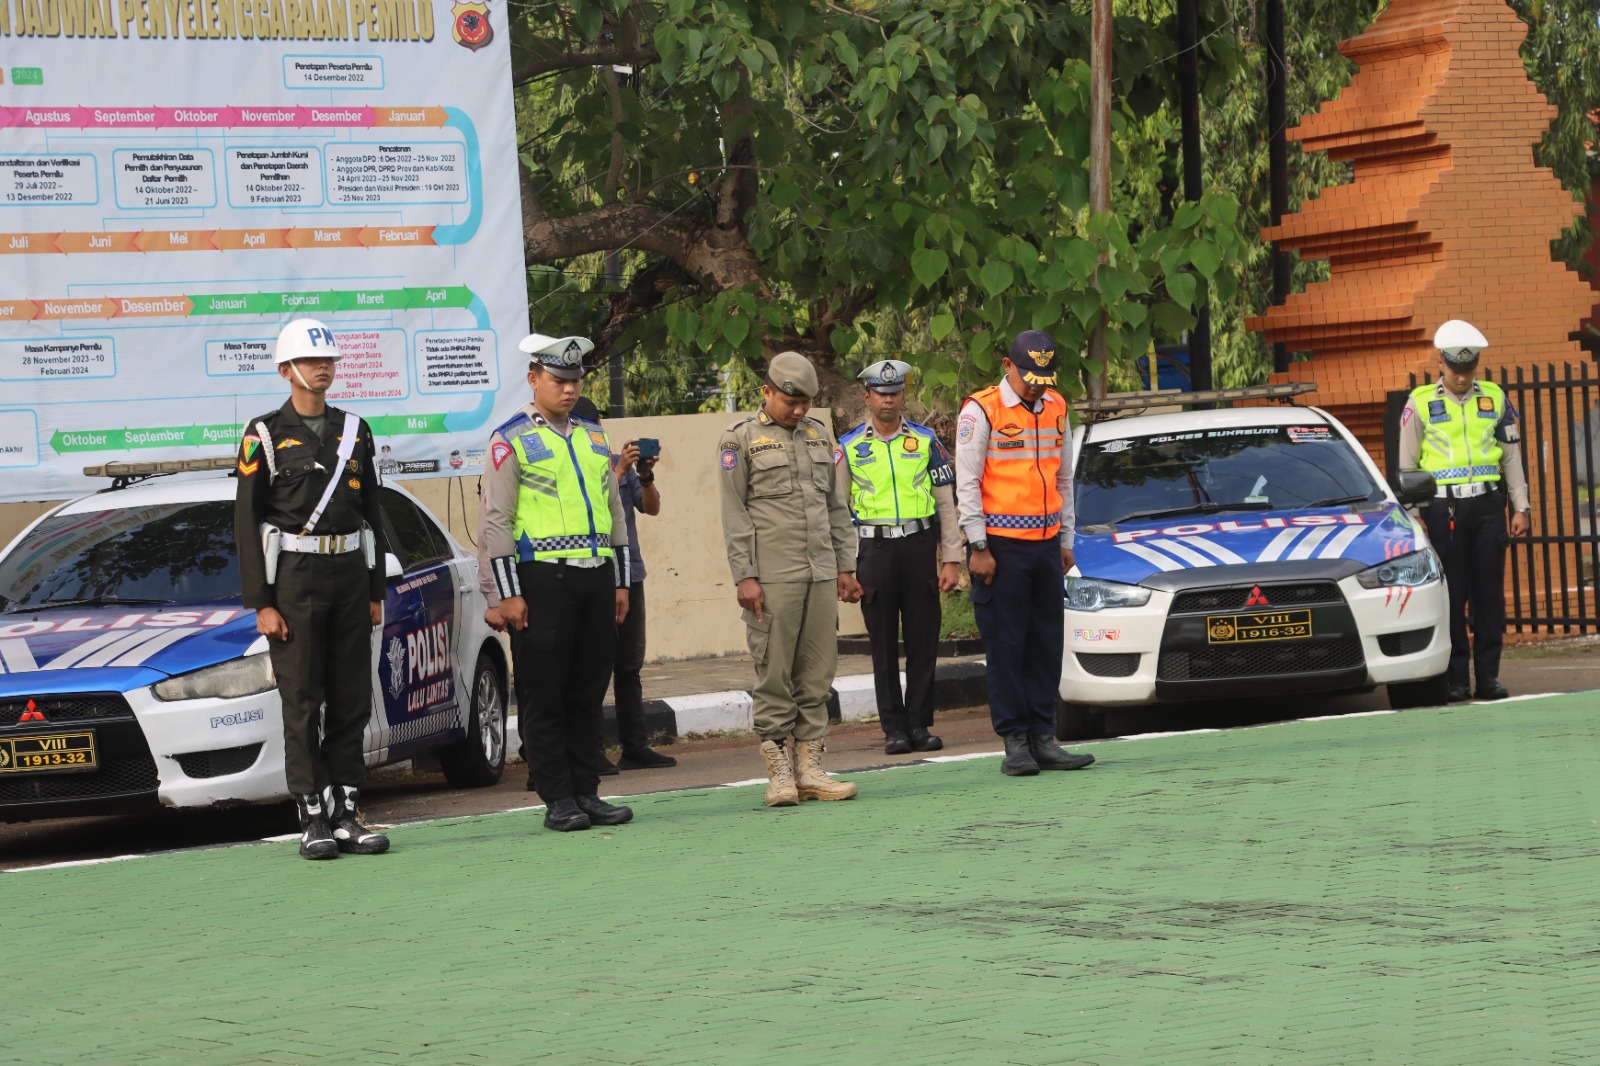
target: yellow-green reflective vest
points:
(891, 481)
(563, 502)
(1459, 440)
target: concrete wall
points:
(692, 612)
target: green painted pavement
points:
(1414, 888)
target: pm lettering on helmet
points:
(319, 335)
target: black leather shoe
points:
(1052, 756)
(644, 759)
(1019, 761)
(604, 766)
(1490, 688)
(602, 813)
(564, 816)
(896, 744)
(922, 740)
(1457, 694)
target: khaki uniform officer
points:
(557, 544)
(899, 478)
(792, 551)
(310, 542)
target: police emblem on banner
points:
(470, 26)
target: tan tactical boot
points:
(780, 775)
(810, 779)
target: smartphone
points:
(649, 447)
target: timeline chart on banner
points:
(343, 160)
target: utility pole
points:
(1099, 163)
(1189, 103)
(1278, 160)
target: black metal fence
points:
(1550, 574)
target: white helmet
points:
(1459, 342)
(305, 338)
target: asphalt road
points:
(397, 797)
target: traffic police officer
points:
(899, 484)
(786, 520)
(1466, 434)
(556, 538)
(1014, 491)
(310, 543)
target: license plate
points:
(1249, 628)
(48, 751)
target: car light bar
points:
(1145, 400)
(164, 466)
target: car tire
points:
(1429, 692)
(480, 759)
(1079, 721)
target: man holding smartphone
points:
(635, 467)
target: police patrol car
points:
(131, 676)
(1247, 552)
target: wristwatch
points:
(980, 545)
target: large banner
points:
(179, 178)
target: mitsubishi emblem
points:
(1257, 599)
(33, 714)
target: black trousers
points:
(900, 597)
(1473, 548)
(1020, 617)
(326, 660)
(625, 682)
(563, 666)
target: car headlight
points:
(1417, 568)
(1092, 594)
(229, 680)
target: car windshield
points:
(156, 554)
(1241, 468)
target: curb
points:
(954, 685)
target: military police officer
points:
(1466, 433)
(786, 519)
(556, 540)
(899, 483)
(1014, 491)
(311, 549)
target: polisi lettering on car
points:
(428, 657)
(1195, 529)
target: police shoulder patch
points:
(499, 452)
(730, 458)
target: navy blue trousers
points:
(1020, 617)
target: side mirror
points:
(393, 571)
(1413, 486)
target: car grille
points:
(1228, 599)
(219, 762)
(118, 776)
(74, 708)
(1114, 664)
(1408, 643)
(1271, 658)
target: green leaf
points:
(929, 265)
(941, 326)
(1225, 209)
(1205, 256)
(1181, 288)
(1169, 320)
(1085, 305)
(735, 328)
(1113, 284)
(901, 212)
(1187, 215)
(938, 137)
(996, 277)
(1081, 258)
(783, 195)
(1132, 313)
(1056, 277)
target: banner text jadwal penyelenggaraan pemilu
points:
(275, 20)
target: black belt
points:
(891, 532)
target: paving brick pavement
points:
(1411, 888)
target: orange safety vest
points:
(1020, 466)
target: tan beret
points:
(792, 373)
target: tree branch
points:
(552, 61)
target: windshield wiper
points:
(1334, 501)
(1194, 508)
(99, 601)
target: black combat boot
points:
(1019, 761)
(1052, 756)
(1490, 688)
(349, 831)
(564, 816)
(602, 813)
(316, 839)
(896, 744)
(922, 740)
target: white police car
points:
(131, 676)
(1246, 552)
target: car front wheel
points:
(1079, 721)
(480, 759)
